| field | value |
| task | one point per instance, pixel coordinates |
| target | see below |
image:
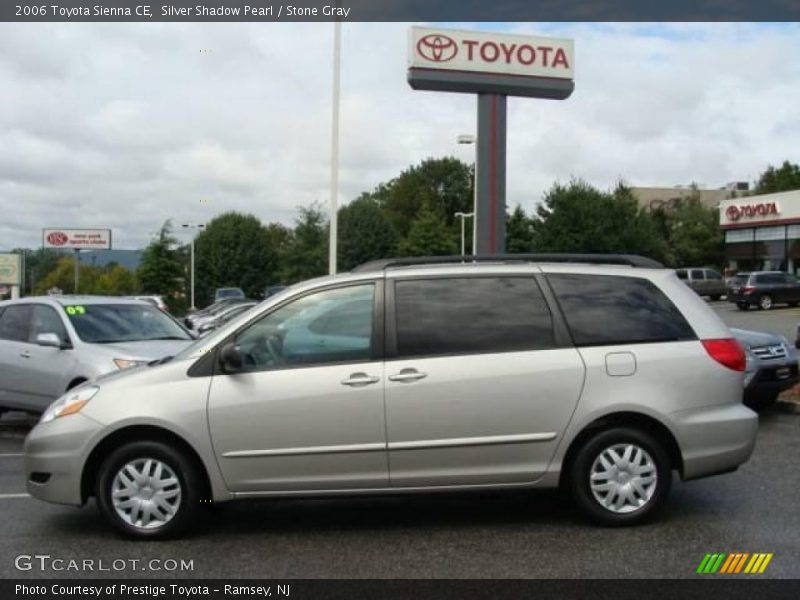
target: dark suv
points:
(764, 289)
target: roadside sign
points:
(11, 269)
(77, 239)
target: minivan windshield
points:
(110, 323)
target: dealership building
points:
(762, 232)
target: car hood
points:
(146, 349)
(756, 338)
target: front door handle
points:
(360, 379)
(25, 354)
(408, 375)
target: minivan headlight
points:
(125, 363)
(70, 403)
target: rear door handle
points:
(25, 354)
(360, 379)
(408, 375)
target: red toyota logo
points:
(57, 238)
(437, 47)
(734, 213)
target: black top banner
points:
(397, 10)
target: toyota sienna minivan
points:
(601, 375)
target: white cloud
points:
(124, 126)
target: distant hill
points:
(129, 259)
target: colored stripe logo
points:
(734, 563)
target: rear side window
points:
(698, 274)
(15, 323)
(681, 273)
(770, 278)
(471, 315)
(604, 310)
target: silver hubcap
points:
(146, 493)
(766, 302)
(623, 478)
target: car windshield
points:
(229, 293)
(109, 323)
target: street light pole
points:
(334, 202)
(472, 139)
(464, 216)
(195, 226)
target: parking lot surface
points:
(497, 535)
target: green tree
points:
(115, 280)
(428, 236)
(444, 184)
(519, 232)
(365, 233)
(161, 270)
(233, 251)
(579, 218)
(37, 263)
(691, 232)
(781, 179)
(305, 253)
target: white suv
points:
(504, 372)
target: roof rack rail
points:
(630, 260)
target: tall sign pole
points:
(492, 66)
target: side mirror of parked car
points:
(231, 358)
(49, 340)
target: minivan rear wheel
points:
(148, 490)
(620, 476)
(765, 302)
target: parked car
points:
(771, 367)
(155, 300)
(51, 344)
(764, 289)
(207, 325)
(506, 372)
(272, 290)
(704, 281)
(228, 292)
(213, 309)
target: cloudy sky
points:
(127, 125)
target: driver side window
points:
(325, 327)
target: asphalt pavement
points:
(491, 535)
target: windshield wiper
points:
(160, 361)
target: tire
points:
(589, 463)
(792, 304)
(183, 505)
(765, 302)
(742, 305)
(715, 297)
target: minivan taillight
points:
(748, 289)
(728, 352)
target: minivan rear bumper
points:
(714, 439)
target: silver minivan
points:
(402, 377)
(51, 344)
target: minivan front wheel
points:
(148, 490)
(620, 476)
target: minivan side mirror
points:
(230, 356)
(49, 340)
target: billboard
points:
(10, 269)
(491, 53)
(77, 239)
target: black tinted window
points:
(15, 322)
(697, 274)
(770, 278)
(471, 315)
(681, 273)
(602, 310)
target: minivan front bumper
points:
(55, 453)
(715, 439)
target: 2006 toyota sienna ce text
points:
(527, 371)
